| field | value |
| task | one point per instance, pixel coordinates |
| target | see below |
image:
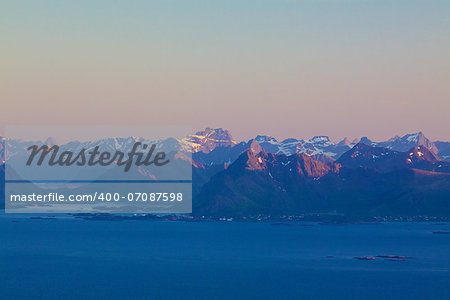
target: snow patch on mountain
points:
(207, 140)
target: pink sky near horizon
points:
(285, 69)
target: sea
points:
(73, 258)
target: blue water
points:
(72, 258)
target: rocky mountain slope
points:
(404, 175)
(366, 180)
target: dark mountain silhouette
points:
(365, 181)
(221, 155)
(386, 160)
(404, 175)
(2, 186)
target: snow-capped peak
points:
(266, 139)
(320, 139)
(208, 139)
(413, 137)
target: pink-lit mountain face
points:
(319, 147)
(265, 176)
(365, 180)
(409, 141)
(294, 176)
(217, 146)
(207, 140)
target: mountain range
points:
(408, 175)
(320, 147)
(365, 180)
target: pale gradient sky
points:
(282, 68)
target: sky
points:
(285, 68)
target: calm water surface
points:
(71, 258)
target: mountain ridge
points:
(266, 183)
(264, 176)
